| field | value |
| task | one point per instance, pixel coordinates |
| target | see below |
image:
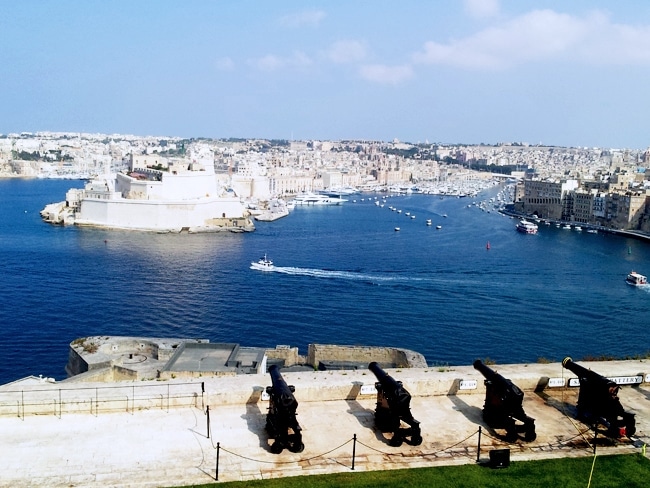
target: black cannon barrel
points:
(492, 375)
(281, 391)
(585, 373)
(384, 378)
(486, 371)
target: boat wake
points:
(344, 275)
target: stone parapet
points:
(310, 386)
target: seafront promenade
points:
(136, 435)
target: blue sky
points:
(477, 71)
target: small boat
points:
(636, 279)
(592, 231)
(396, 229)
(263, 264)
(577, 227)
(428, 221)
(487, 246)
(412, 216)
(527, 227)
(438, 227)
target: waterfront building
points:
(549, 199)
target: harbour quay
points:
(183, 431)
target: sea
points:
(343, 275)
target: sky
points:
(565, 73)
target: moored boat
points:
(636, 279)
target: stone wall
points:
(395, 357)
(288, 354)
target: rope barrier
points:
(284, 462)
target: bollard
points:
(207, 412)
(354, 449)
(216, 474)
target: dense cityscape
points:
(602, 187)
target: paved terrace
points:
(146, 434)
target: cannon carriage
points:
(598, 402)
(503, 405)
(393, 408)
(281, 422)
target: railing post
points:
(216, 474)
(354, 449)
(207, 412)
(478, 449)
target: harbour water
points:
(344, 276)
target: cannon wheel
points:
(530, 436)
(416, 440)
(396, 441)
(277, 447)
(297, 447)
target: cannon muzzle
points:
(486, 371)
(282, 393)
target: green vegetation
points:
(619, 471)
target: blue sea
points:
(344, 276)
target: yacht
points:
(313, 199)
(338, 191)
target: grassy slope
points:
(620, 471)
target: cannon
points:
(598, 402)
(503, 405)
(393, 408)
(281, 423)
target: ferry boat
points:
(636, 279)
(263, 264)
(527, 227)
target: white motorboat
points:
(313, 199)
(263, 264)
(527, 227)
(636, 279)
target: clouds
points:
(502, 43)
(543, 35)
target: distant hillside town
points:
(605, 187)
